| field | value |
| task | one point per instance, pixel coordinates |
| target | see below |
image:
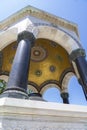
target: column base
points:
(14, 94)
(36, 96)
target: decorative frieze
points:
(39, 14)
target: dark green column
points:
(17, 83)
(78, 56)
(65, 97)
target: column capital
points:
(26, 35)
(64, 95)
(77, 53)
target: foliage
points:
(2, 85)
(29, 91)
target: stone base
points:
(20, 114)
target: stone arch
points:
(65, 81)
(8, 37)
(52, 94)
(56, 34)
(61, 37)
(50, 85)
(32, 88)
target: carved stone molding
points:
(34, 29)
(29, 10)
(47, 31)
(37, 115)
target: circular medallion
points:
(52, 68)
(38, 73)
(38, 53)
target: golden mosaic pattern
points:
(51, 67)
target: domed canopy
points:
(52, 59)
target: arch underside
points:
(51, 52)
(45, 31)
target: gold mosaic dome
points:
(49, 63)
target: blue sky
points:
(72, 10)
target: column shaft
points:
(81, 64)
(65, 101)
(19, 73)
(17, 83)
(78, 56)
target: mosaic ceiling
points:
(49, 63)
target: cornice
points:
(29, 10)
